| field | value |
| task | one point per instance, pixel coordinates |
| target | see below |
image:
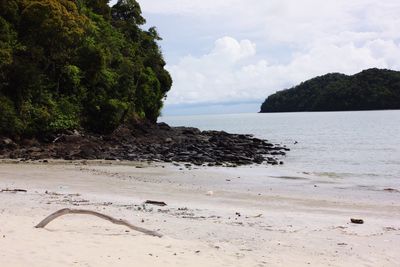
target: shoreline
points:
(260, 219)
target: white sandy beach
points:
(254, 216)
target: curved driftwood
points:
(62, 212)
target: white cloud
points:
(286, 20)
(283, 43)
(231, 50)
(225, 74)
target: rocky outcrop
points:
(152, 142)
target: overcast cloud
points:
(231, 51)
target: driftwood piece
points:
(157, 203)
(13, 190)
(62, 212)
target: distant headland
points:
(372, 89)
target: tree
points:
(368, 90)
(100, 7)
(67, 64)
(128, 11)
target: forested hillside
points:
(372, 89)
(77, 64)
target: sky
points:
(227, 56)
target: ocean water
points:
(362, 146)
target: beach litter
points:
(357, 221)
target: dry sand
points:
(248, 216)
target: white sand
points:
(284, 221)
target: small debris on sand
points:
(13, 190)
(156, 203)
(357, 221)
(210, 193)
(391, 190)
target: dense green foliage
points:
(68, 64)
(372, 89)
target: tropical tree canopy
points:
(77, 64)
(371, 89)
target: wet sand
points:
(247, 216)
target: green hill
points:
(372, 89)
(77, 64)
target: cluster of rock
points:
(150, 142)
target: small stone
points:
(210, 193)
(7, 141)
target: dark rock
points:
(164, 126)
(7, 143)
(30, 142)
(150, 142)
(357, 221)
(258, 159)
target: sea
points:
(360, 147)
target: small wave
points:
(341, 175)
(379, 188)
(290, 177)
(331, 174)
